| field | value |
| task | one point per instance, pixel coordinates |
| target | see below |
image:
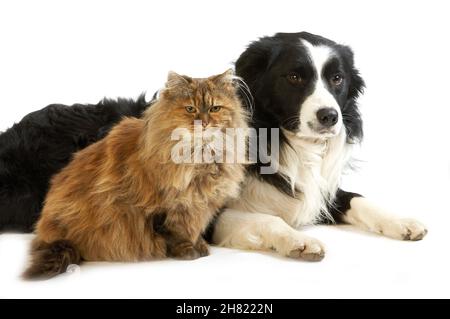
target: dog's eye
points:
(337, 79)
(215, 108)
(190, 109)
(294, 78)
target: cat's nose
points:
(205, 119)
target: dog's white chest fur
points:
(314, 169)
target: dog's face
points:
(304, 84)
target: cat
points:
(125, 199)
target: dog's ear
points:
(357, 84)
(254, 61)
(350, 113)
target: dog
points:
(42, 143)
(307, 87)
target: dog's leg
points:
(353, 209)
(245, 230)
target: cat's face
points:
(213, 101)
(193, 117)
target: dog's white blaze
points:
(320, 96)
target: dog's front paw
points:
(308, 249)
(404, 229)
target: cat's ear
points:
(226, 77)
(174, 80)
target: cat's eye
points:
(294, 78)
(190, 109)
(215, 108)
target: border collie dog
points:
(306, 86)
(41, 144)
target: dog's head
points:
(303, 83)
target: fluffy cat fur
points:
(124, 199)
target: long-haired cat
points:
(125, 199)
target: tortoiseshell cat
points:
(124, 199)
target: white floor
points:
(356, 265)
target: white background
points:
(80, 51)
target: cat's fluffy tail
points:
(49, 260)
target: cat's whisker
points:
(245, 90)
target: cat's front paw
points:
(184, 251)
(404, 229)
(202, 247)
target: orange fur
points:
(109, 199)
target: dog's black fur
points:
(41, 144)
(264, 66)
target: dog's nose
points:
(327, 116)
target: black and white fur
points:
(296, 78)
